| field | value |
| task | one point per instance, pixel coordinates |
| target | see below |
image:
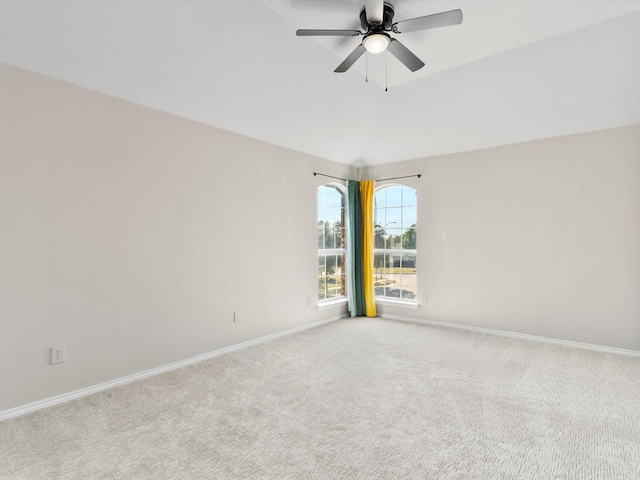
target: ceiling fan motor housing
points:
(387, 19)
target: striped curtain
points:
(360, 291)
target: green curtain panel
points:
(355, 274)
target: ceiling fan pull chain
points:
(366, 67)
(386, 70)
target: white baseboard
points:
(66, 397)
(523, 336)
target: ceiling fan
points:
(376, 19)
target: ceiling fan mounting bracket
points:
(387, 19)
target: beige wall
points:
(131, 236)
(540, 238)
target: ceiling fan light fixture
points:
(376, 42)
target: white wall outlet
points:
(236, 316)
(309, 301)
(425, 298)
(57, 354)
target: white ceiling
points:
(513, 71)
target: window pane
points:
(394, 196)
(330, 195)
(338, 237)
(337, 217)
(409, 196)
(332, 264)
(393, 217)
(322, 290)
(409, 216)
(388, 263)
(378, 216)
(322, 294)
(334, 286)
(378, 264)
(394, 238)
(409, 239)
(324, 213)
(380, 271)
(330, 242)
(409, 287)
(408, 263)
(335, 276)
(323, 194)
(379, 237)
(331, 276)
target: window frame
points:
(400, 252)
(327, 252)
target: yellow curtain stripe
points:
(367, 188)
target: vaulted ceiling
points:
(513, 71)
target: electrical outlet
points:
(236, 316)
(425, 298)
(57, 354)
(309, 301)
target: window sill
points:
(396, 303)
(324, 305)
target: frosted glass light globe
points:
(376, 42)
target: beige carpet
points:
(355, 399)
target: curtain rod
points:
(330, 176)
(397, 178)
(380, 180)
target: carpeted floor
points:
(354, 399)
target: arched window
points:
(331, 243)
(394, 243)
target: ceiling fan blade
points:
(444, 19)
(375, 11)
(351, 59)
(403, 54)
(327, 33)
